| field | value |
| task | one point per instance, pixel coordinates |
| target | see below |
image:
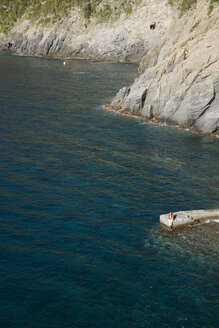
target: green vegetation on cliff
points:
(184, 5)
(46, 11)
(211, 5)
(50, 11)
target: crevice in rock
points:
(49, 47)
(215, 131)
(143, 98)
(206, 107)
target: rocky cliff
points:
(179, 77)
(128, 36)
(179, 73)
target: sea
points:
(81, 192)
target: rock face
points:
(179, 73)
(179, 77)
(128, 38)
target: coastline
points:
(126, 38)
(175, 87)
(119, 110)
(112, 109)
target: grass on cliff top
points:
(52, 11)
(12, 10)
(184, 5)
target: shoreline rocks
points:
(178, 82)
(179, 78)
(127, 39)
(152, 121)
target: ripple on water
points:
(81, 191)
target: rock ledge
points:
(188, 218)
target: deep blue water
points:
(81, 191)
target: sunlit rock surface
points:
(126, 38)
(179, 77)
(188, 218)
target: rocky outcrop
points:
(179, 77)
(179, 72)
(128, 38)
(188, 218)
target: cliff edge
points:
(179, 77)
(118, 30)
(179, 73)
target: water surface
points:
(81, 191)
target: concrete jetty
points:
(188, 218)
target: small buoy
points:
(65, 63)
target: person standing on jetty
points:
(170, 218)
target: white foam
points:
(208, 221)
(145, 123)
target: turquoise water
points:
(81, 191)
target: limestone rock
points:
(179, 80)
(127, 39)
